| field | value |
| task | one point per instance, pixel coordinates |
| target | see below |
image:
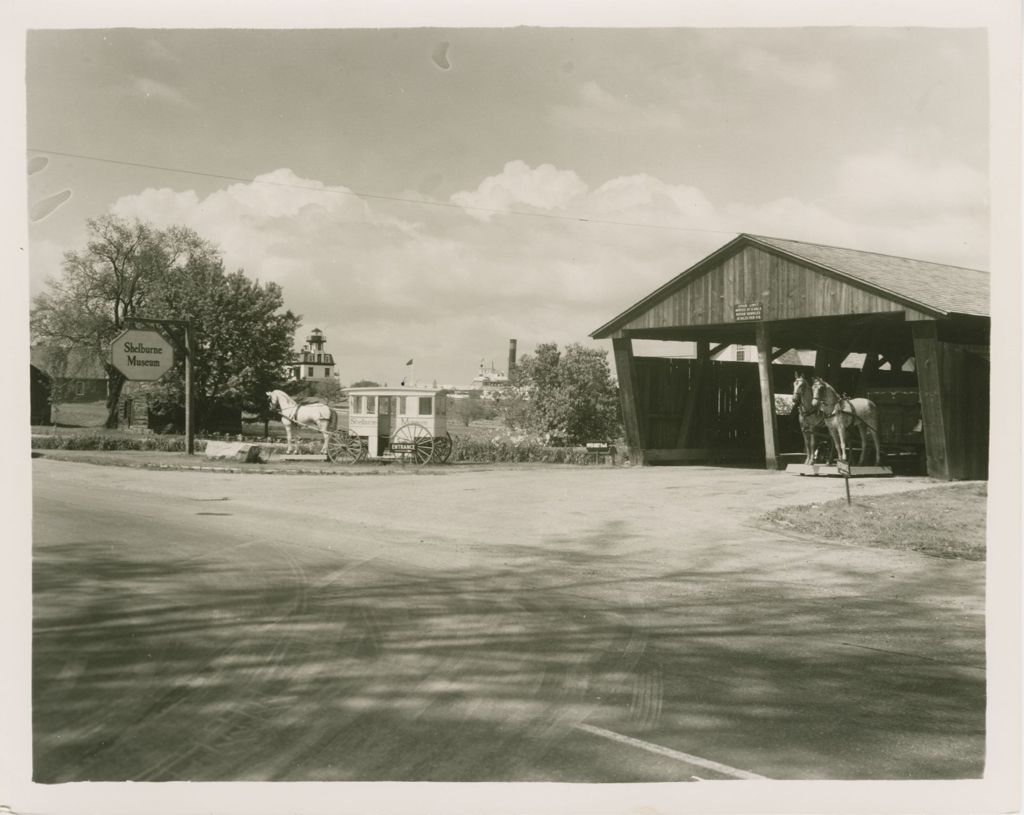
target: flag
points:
(409, 362)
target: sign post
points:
(146, 355)
(190, 426)
(844, 470)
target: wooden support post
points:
(190, 398)
(764, 370)
(928, 357)
(625, 371)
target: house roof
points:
(934, 288)
(72, 363)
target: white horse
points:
(293, 415)
(841, 414)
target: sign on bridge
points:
(142, 355)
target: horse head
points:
(822, 394)
(272, 400)
(801, 393)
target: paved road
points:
(539, 624)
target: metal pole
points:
(190, 430)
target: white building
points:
(313, 363)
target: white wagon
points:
(400, 423)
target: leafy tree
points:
(571, 394)
(108, 282)
(130, 269)
(470, 409)
(365, 383)
(514, 410)
(243, 339)
(328, 390)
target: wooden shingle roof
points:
(948, 289)
(930, 288)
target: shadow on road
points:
(268, 663)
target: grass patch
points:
(947, 521)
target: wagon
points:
(407, 424)
(900, 425)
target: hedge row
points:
(463, 449)
(97, 441)
(483, 450)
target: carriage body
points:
(900, 424)
(401, 422)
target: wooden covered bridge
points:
(912, 335)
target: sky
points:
(431, 193)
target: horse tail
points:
(332, 422)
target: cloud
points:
(543, 187)
(597, 109)
(158, 52)
(160, 91)
(387, 281)
(647, 197)
(768, 67)
(889, 180)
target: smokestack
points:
(511, 356)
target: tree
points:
(470, 409)
(571, 394)
(365, 383)
(243, 339)
(107, 283)
(328, 390)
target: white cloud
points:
(651, 198)
(154, 89)
(597, 109)
(890, 180)
(543, 187)
(46, 259)
(769, 67)
(158, 52)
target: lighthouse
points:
(313, 362)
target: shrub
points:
(464, 449)
(97, 441)
(506, 450)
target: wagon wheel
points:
(415, 440)
(442, 448)
(345, 445)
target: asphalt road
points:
(533, 624)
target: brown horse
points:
(841, 414)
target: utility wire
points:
(376, 196)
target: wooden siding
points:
(785, 289)
(954, 388)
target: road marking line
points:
(668, 752)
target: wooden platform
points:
(832, 470)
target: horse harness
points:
(294, 418)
